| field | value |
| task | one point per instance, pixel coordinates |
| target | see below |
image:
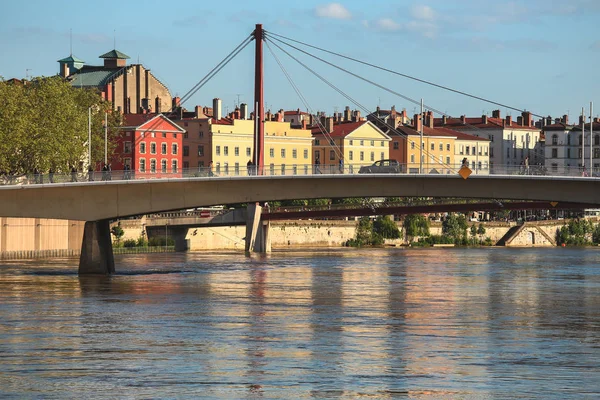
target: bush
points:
(385, 227)
(129, 243)
(160, 241)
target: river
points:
(340, 324)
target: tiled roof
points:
(93, 76)
(596, 127)
(342, 129)
(135, 120)
(561, 126)
(115, 54)
(478, 123)
(71, 59)
(427, 131)
(295, 112)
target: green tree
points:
(455, 226)
(117, 232)
(473, 232)
(386, 228)
(415, 225)
(44, 124)
(481, 231)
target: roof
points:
(340, 129)
(71, 59)
(295, 112)
(596, 127)
(93, 78)
(561, 126)
(478, 123)
(115, 54)
(138, 121)
(427, 131)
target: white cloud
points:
(333, 10)
(387, 24)
(423, 12)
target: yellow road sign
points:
(553, 203)
(465, 172)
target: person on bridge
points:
(341, 163)
(90, 174)
(210, 169)
(73, 174)
(250, 167)
(317, 165)
(51, 175)
(465, 163)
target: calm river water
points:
(344, 323)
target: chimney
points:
(217, 109)
(527, 120)
(463, 119)
(303, 123)
(508, 120)
(197, 111)
(520, 120)
(347, 114)
(339, 117)
(329, 124)
(236, 113)
(565, 119)
(548, 120)
(244, 111)
(496, 114)
(596, 119)
(268, 116)
(444, 119)
(176, 102)
(430, 119)
(355, 116)
(404, 116)
(417, 122)
(484, 119)
(556, 120)
(280, 115)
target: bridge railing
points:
(282, 170)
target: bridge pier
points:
(96, 249)
(257, 239)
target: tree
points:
(384, 226)
(481, 231)
(455, 226)
(117, 232)
(44, 124)
(415, 225)
(473, 232)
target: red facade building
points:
(149, 145)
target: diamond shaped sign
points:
(465, 172)
(553, 203)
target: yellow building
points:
(357, 143)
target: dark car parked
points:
(381, 167)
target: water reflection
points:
(383, 323)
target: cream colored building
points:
(357, 143)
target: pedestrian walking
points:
(104, 173)
(210, 169)
(249, 166)
(90, 174)
(73, 174)
(465, 163)
(36, 176)
(51, 175)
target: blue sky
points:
(538, 55)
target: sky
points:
(536, 55)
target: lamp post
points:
(105, 138)
(90, 136)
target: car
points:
(381, 167)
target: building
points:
(229, 143)
(132, 89)
(348, 143)
(443, 149)
(149, 144)
(587, 146)
(386, 119)
(511, 142)
(297, 117)
(560, 148)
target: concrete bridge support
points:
(257, 232)
(96, 249)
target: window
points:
(580, 139)
(174, 148)
(236, 151)
(163, 166)
(152, 148)
(568, 153)
(351, 141)
(554, 140)
(485, 151)
(127, 147)
(225, 150)
(248, 152)
(200, 134)
(163, 148)
(153, 166)
(218, 150)
(175, 136)
(174, 166)
(164, 135)
(432, 146)
(317, 142)
(579, 153)
(142, 165)
(271, 152)
(282, 153)
(479, 165)
(372, 156)
(382, 143)
(350, 155)
(226, 168)
(237, 168)
(448, 160)
(306, 153)
(362, 142)
(382, 156)
(142, 148)
(185, 135)
(412, 158)
(282, 169)
(569, 139)
(218, 167)
(294, 169)
(597, 140)
(468, 150)
(554, 167)
(362, 156)
(201, 150)
(332, 142)
(412, 145)
(331, 155)
(294, 153)
(186, 151)
(153, 134)
(186, 165)
(448, 147)
(272, 169)
(141, 134)
(372, 143)
(596, 153)
(441, 146)
(395, 145)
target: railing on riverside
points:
(220, 172)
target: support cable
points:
(405, 75)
